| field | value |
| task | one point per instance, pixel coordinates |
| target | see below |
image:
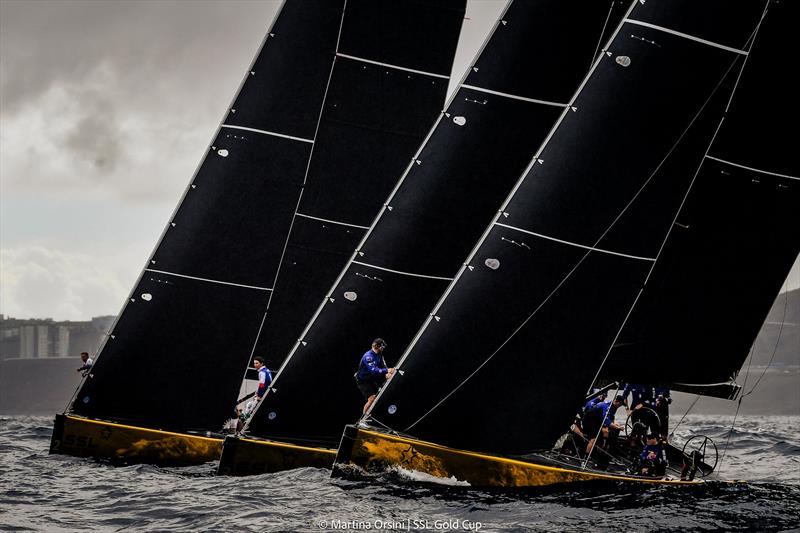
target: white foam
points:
(415, 475)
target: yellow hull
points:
(373, 450)
(243, 456)
(129, 444)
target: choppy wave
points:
(40, 492)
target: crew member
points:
(599, 422)
(652, 460)
(661, 408)
(87, 363)
(264, 376)
(372, 372)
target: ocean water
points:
(40, 492)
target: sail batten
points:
(273, 133)
(758, 170)
(685, 36)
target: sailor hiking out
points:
(372, 372)
(264, 376)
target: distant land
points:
(42, 381)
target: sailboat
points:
(518, 86)
(301, 145)
(530, 322)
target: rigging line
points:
(265, 132)
(602, 236)
(730, 432)
(401, 272)
(593, 249)
(749, 44)
(332, 221)
(389, 65)
(209, 280)
(300, 197)
(775, 348)
(674, 429)
(513, 96)
(753, 169)
(686, 36)
(507, 200)
(244, 79)
(602, 32)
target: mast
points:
(733, 242)
(520, 83)
(517, 338)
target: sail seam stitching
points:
(585, 247)
(686, 36)
(331, 221)
(753, 169)
(513, 96)
(401, 272)
(208, 280)
(389, 65)
(265, 132)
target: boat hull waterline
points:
(83, 437)
(242, 456)
(372, 450)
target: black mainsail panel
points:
(519, 85)
(735, 240)
(176, 356)
(518, 337)
(389, 86)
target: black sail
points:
(374, 120)
(736, 237)
(519, 85)
(519, 336)
(175, 357)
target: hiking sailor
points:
(264, 376)
(372, 372)
(87, 363)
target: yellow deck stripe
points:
(148, 430)
(287, 445)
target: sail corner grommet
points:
(492, 263)
(623, 61)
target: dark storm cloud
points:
(46, 43)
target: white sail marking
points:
(753, 169)
(401, 272)
(514, 96)
(332, 221)
(208, 280)
(592, 248)
(686, 36)
(387, 65)
(264, 132)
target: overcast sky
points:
(106, 109)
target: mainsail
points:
(734, 241)
(521, 82)
(296, 135)
(510, 349)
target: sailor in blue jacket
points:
(372, 372)
(264, 376)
